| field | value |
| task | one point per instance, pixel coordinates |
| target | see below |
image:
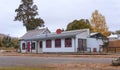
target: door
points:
(40, 46)
(82, 46)
(28, 47)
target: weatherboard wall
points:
(60, 49)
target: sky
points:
(58, 13)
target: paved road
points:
(37, 61)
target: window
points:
(48, 43)
(57, 43)
(23, 46)
(40, 44)
(82, 46)
(33, 46)
(68, 42)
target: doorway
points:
(40, 46)
(28, 47)
(82, 45)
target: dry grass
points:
(67, 66)
(23, 68)
(83, 66)
(58, 55)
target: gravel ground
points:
(59, 61)
(84, 66)
(60, 55)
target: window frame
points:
(23, 46)
(57, 43)
(48, 43)
(68, 42)
(33, 45)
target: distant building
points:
(43, 41)
(114, 37)
(113, 46)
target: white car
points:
(116, 61)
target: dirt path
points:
(59, 55)
(38, 61)
(59, 61)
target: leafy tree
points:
(6, 41)
(1, 44)
(117, 32)
(78, 24)
(26, 13)
(98, 23)
(15, 43)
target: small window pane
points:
(23, 46)
(68, 42)
(48, 44)
(33, 46)
(57, 43)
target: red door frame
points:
(28, 46)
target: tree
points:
(117, 32)
(26, 13)
(15, 43)
(78, 24)
(6, 41)
(1, 44)
(98, 23)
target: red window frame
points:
(57, 43)
(23, 46)
(68, 42)
(48, 44)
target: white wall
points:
(74, 47)
(83, 35)
(35, 50)
(94, 43)
(25, 50)
(61, 49)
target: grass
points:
(9, 48)
(24, 68)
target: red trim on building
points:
(28, 46)
(57, 43)
(68, 42)
(48, 44)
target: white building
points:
(114, 37)
(42, 41)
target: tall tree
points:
(117, 32)
(6, 41)
(98, 23)
(1, 44)
(78, 24)
(26, 13)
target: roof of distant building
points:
(32, 33)
(63, 34)
(113, 36)
(97, 35)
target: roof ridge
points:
(36, 29)
(74, 30)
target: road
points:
(11, 61)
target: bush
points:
(9, 42)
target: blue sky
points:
(58, 13)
